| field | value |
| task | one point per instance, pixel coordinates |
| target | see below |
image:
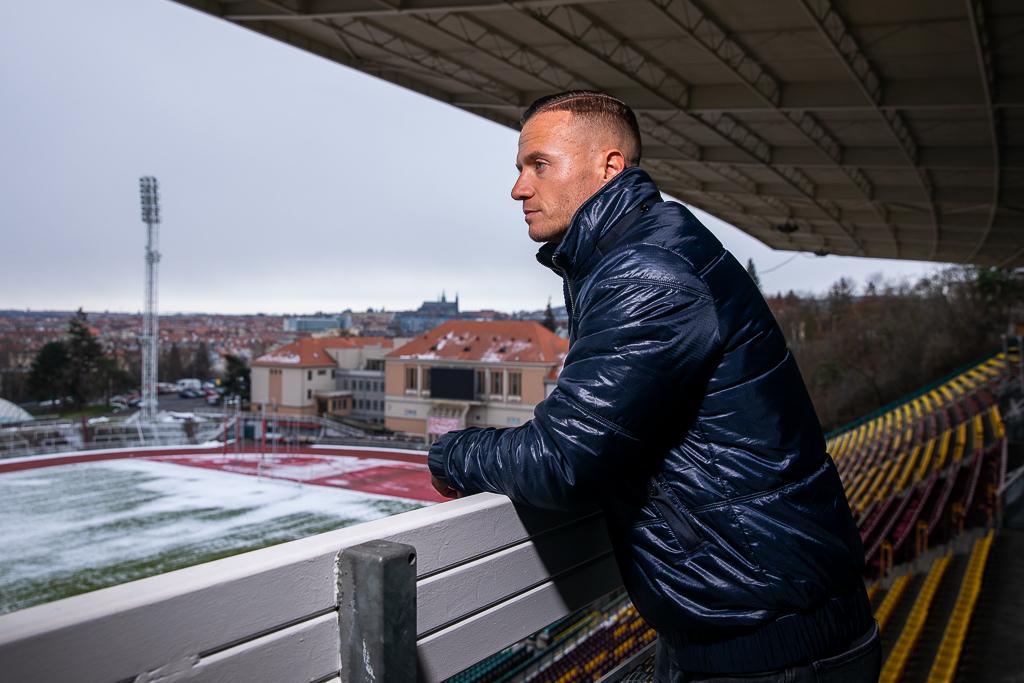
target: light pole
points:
(150, 196)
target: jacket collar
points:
(595, 217)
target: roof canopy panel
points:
(882, 128)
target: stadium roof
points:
(883, 128)
(12, 413)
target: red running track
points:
(389, 473)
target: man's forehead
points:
(544, 124)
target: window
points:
(495, 382)
(334, 374)
(515, 384)
(309, 393)
(320, 373)
(410, 379)
(426, 379)
(375, 364)
(309, 374)
(481, 382)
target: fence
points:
(478, 574)
(272, 432)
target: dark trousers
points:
(860, 663)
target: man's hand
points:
(444, 488)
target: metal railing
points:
(272, 431)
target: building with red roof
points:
(314, 376)
(465, 373)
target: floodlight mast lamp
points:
(150, 196)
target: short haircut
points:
(595, 107)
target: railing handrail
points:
(488, 574)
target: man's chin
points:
(541, 234)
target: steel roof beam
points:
(747, 187)
(972, 196)
(833, 28)
(695, 22)
(418, 57)
(979, 30)
(475, 34)
(832, 96)
(254, 10)
(600, 41)
(1012, 259)
(933, 158)
(478, 35)
(422, 58)
(862, 219)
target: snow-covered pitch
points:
(72, 528)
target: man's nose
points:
(521, 190)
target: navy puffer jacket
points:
(681, 413)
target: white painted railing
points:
(487, 574)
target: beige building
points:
(467, 373)
(301, 378)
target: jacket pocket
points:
(673, 517)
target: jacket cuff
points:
(437, 460)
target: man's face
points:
(561, 164)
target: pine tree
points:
(549, 318)
(49, 374)
(201, 362)
(85, 356)
(752, 271)
(236, 376)
(171, 368)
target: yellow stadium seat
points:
(896, 662)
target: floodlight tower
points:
(150, 329)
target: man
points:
(681, 413)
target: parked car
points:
(189, 383)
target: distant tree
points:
(85, 356)
(549, 318)
(200, 366)
(116, 378)
(171, 368)
(752, 272)
(236, 376)
(48, 377)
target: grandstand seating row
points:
(915, 470)
(924, 616)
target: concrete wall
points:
(294, 388)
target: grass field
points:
(71, 529)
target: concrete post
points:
(377, 612)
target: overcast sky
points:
(288, 183)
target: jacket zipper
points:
(678, 525)
(571, 304)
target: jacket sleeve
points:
(640, 363)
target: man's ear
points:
(614, 162)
